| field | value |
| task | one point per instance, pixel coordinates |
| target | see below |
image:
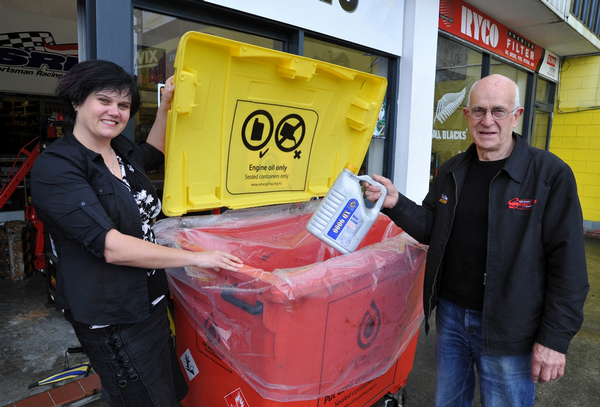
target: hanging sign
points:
(465, 21)
(30, 61)
(550, 66)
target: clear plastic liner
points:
(299, 321)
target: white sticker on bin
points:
(189, 365)
(236, 399)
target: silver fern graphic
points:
(448, 104)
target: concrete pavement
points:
(34, 339)
(580, 386)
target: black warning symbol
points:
(290, 132)
(211, 327)
(369, 326)
(257, 130)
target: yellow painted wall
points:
(575, 136)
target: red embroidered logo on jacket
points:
(522, 204)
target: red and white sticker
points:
(236, 399)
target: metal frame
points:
(588, 13)
(105, 31)
(529, 113)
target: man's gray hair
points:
(515, 103)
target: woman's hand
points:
(127, 250)
(373, 192)
(167, 93)
(217, 259)
(158, 132)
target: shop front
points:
(39, 45)
(35, 50)
(427, 51)
(472, 45)
(383, 40)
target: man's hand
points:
(373, 192)
(546, 364)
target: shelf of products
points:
(20, 125)
(19, 120)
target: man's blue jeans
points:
(503, 380)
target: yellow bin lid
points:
(251, 126)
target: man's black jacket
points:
(536, 270)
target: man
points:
(506, 262)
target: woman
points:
(90, 190)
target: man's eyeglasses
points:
(498, 113)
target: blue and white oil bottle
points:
(342, 219)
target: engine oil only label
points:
(347, 224)
(270, 148)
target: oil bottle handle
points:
(379, 202)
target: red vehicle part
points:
(39, 258)
(10, 186)
(11, 183)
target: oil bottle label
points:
(347, 224)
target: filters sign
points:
(466, 22)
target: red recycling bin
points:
(299, 324)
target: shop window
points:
(517, 75)
(540, 129)
(365, 62)
(155, 41)
(457, 69)
(156, 37)
(544, 105)
(19, 118)
(343, 56)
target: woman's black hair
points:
(89, 77)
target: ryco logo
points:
(474, 25)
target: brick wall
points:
(576, 135)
